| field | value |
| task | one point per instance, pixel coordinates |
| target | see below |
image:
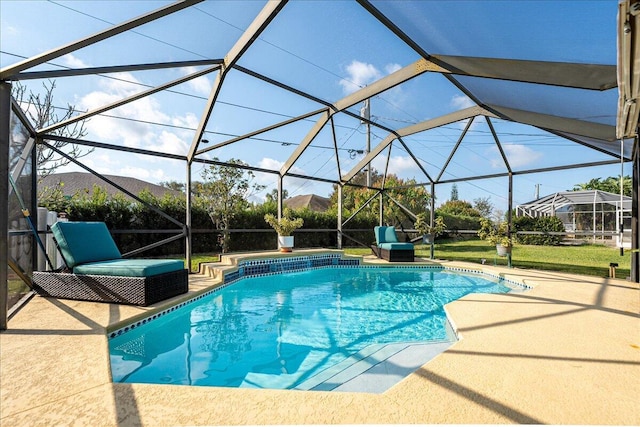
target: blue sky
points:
(327, 49)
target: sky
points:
(329, 50)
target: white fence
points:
(46, 219)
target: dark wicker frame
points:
(141, 291)
(394, 255)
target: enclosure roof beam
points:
(127, 100)
(566, 74)
(628, 70)
(251, 34)
(385, 83)
(306, 141)
(24, 120)
(7, 72)
(525, 172)
(52, 74)
(455, 148)
(498, 144)
(562, 124)
(103, 145)
(110, 182)
(259, 131)
(456, 116)
(282, 85)
(415, 159)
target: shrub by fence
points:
(543, 224)
(126, 217)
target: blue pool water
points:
(279, 330)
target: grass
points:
(588, 259)
(196, 259)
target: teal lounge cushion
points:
(390, 235)
(396, 246)
(130, 267)
(385, 234)
(379, 230)
(82, 242)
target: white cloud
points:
(392, 68)
(201, 85)
(462, 102)
(360, 74)
(168, 142)
(135, 172)
(518, 155)
(398, 165)
(10, 30)
(138, 131)
(73, 62)
(267, 163)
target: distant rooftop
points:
(311, 201)
(81, 182)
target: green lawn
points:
(591, 260)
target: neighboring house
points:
(311, 201)
(81, 182)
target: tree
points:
(610, 185)
(225, 191)
(42, 113)
(414, 198)
(454, 192)
(273, 196)
(484, 206)
(173, 185)
(458, 208)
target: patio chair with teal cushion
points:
(96, 270)
(388, 246)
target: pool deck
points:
(565, 352)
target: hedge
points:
(543, 224)
(121, 213)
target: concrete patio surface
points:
(565, 352)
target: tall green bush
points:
(543, 224)
(122, 213)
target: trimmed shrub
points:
(544, 224)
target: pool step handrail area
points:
(238, 265)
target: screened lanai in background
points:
(588, 214)
(481, 94)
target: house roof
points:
(310, 201)
(81, 182)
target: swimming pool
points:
(281, 330)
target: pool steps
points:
(374, 369)
(380, 376)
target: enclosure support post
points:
(339, 236)
(5, 131)
(279, 196)
(635, 236)
(381, 220)
(188, 248)
(432, 219)
(509, 216)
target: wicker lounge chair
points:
(96, 270)
(389, 248)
